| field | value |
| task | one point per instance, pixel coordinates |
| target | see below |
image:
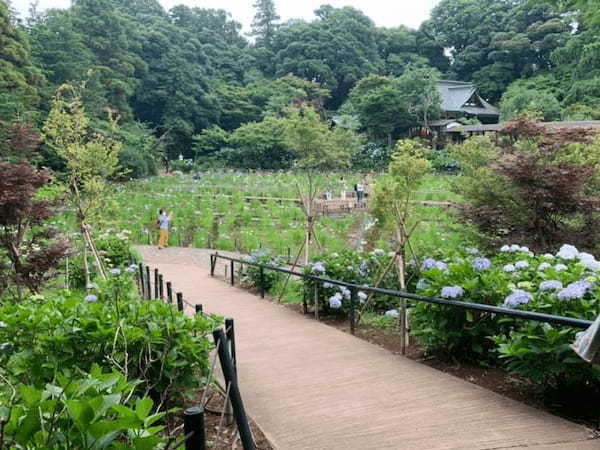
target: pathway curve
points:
(311, 386)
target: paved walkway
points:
(310, 386)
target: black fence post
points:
(230, 332)
(213, 263)
(262, 282)
(169, 292)
(180, 301)
(199, 308)
(148, 284)
(141, 279)
(353, 297)
(232, 273)
(155, 283)
(234, 390)
(161, 287)
(193, 429)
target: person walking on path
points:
(163, 223)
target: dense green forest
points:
(188, 81)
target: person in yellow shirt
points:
(163, 223)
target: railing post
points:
(230, 332)
(353, 297)
(231, 269)
(403, 325)
(193, 429)
(213, 263)
(161, 290)
(148, 284)
(234, 390)
(169, 292)
(180, 301)
(141, 279)
(199, 308)
(262, 282)
(155, 283)
(316, 300)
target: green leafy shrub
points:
(270, 277)
(114, 247)
(95, 410)
(351, 267)
(442, 161)
(562, 284)
(146, 340)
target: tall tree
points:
(264, 23)
(20, 79)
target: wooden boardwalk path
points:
(311, 386)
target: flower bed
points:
(565, 283)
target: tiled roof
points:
(455, 95)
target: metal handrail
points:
(518, 314)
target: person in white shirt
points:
(163, 223)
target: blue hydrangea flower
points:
(91, 298)
(441, 266)
(2, 324)
(452, 292)
(335, 302)
(515, 248)
(516, 298)
(130, 270)
(575, 290)
(560, 267)
(481, 264)
(550, 285)
(362, 297)
(472, 251)
(422, 284)
(548, 256)
(392, 313)
(318, 268)
(568, 252)
(428, 264)
(92, 286)
(250, 259)
(521, 265)
(345, 292)
(544, 266)
(592, 264)
(509, 268)
(328, 285)
(584, 256)
(378, 252)
(505, 249)
(116, 271)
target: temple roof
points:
(462, 97)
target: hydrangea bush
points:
(565, 283)
(364, 269)
(270, 277)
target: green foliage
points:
(94, 410)
(259, 145)
(269, 277)
(111, 327)
(386, 106)
(20, 79)
(534, 103)
(352, 267)
(317, 147)
(533, 350)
